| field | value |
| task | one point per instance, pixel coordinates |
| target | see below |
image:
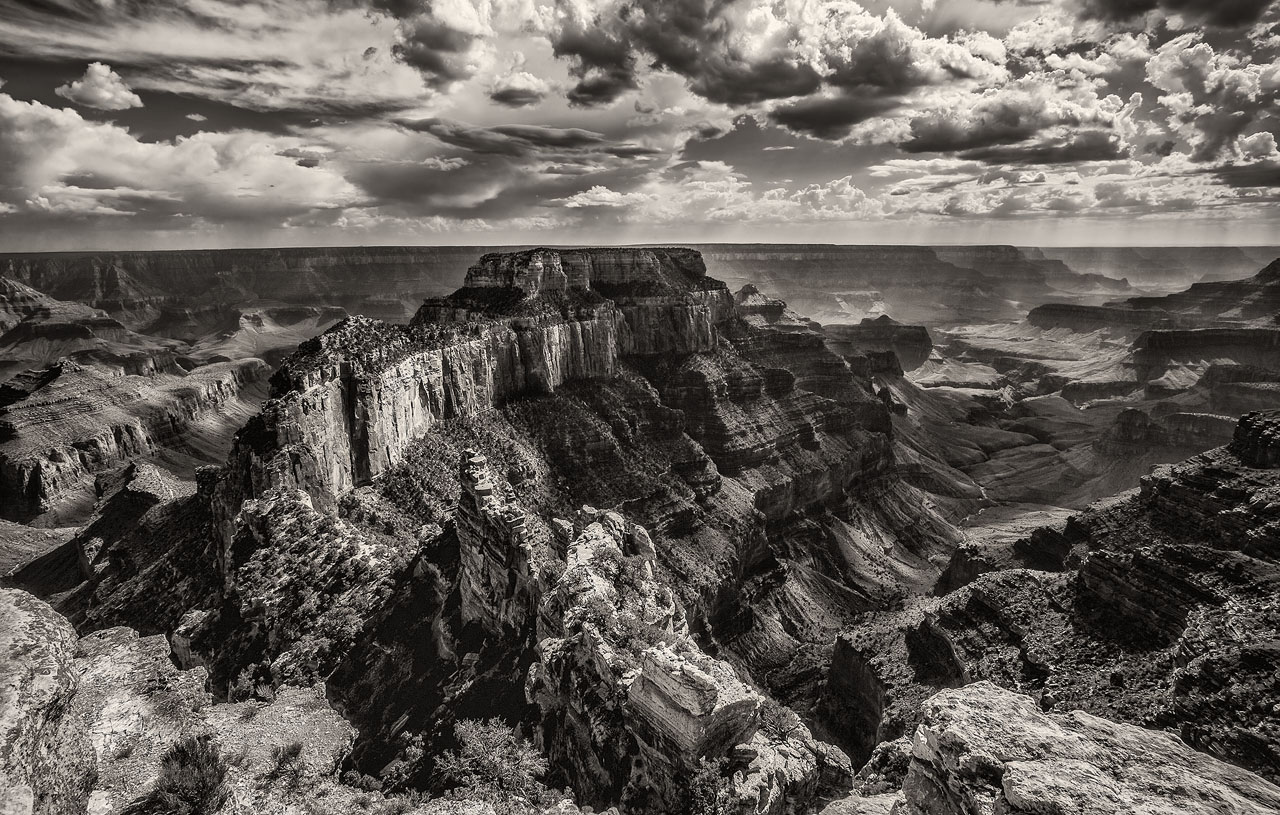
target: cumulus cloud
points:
(58, 163)
(100, 88)
(1015, 113)
(519, 89)
(1211, 97)
(757, 51)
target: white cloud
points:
(197, 117)
(62, 164)
(100, 88)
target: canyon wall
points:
(78, 422)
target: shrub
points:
(778, 721)
(494, 765)
(192, 781)
(708, 792)
(242, 688)
(287, 764)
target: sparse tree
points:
(493, 764)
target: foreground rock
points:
(982, 749)
(86, 723)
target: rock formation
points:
(1150, 609)
(85, 723)
(983, 749)
(759, 462)
(74, 421)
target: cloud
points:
(519, 89)
(100, 88)
(1227, 13)
(714, 191)
(58, 164)
(1076, 124)
(263, 55)
(757, 51)
(1211, 98)
(197, 117)
(833, 117)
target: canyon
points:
(737, 529)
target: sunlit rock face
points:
(981, 748)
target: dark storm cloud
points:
(830, 118)
(1227, 13)
(525, 140)
(602, 63)
(436, 49)
(1260, 174)
(687, 37)
(1089, 145)
(1007, 125)
(516, 97)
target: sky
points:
(171, 124)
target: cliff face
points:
(728, 432)
(1153, 614)
(75, 422)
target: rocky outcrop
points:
(1257, 440)
(630, 705)
(1158, 617)
(350, 402)
(44, 764)
(983, 749)
(86, 724)
(77, 422)
(911, 343)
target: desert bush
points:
(242, 688)
(192, 781)
(777, 720)
(494, 765)
(287, 764)
(708, 791)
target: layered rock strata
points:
(1154, 611)
(77, 421)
